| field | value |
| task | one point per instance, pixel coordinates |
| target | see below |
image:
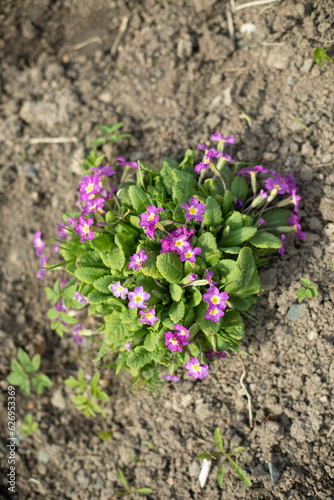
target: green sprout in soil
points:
(23, 370)
(129, 492)
(30, 426)
(85, 403)
(224, 457)
(320, 55)
(308, 290)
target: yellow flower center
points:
(138, 298)
(119, 288)
(173, 341)
(206, 161)
(149, 315)
(89, 188)
(214, 311)
(215, 299)
(193, 211)
(276, 186)
(86, 228)
(138, 262)
(150, 217)
(179, 243)
(196, 368)
(182, 332)
(99, 210)
(189, 254)
(91, 196)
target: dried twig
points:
(248, 397)
(230, 26)
(254, 4)
(94, 39)
(121, 31)
(52, 140)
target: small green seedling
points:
(320, 55)
(308, 291)
(30, 426)
(22, 370)
(128, 491)
(111, 136)
(85, 403)
(225, 457)
(105, 435)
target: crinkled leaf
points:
(150, 341)
(176, 292)
(239, 188)
(149, 268)
(264, 239)
(220, 475)
(238, 236)
(244, 279)
(139, 199)
(176, 311)
(170, 267)
(210, 253)
(139, 357)
(90, 274)
(213, 215)
(96, 297)
(218, 440)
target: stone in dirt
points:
(296, 312)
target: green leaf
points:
(239, 188)
(244, 279)
(238, 236)
(114, 331)
(16, 367)
(308, 293)
(313, 290)
(139, 199)
(96, 297)
(241, 474)
(237, 450)
(150, 341)
(25, 386)
(176, 292)
(114, 259)
(264, 239)
(23, 358)
(213, 215)
(109, 129)
(320, 55)
(176, 311)
(89, 274)
(276, 218)
(233, 325)
(149, 268)
(15, 378)
(144, 491)
(180, 176)
(52, 314)
(103, 284)
(196, 298)
(182, 192)
(218, 440)
(105, 435)
(194, 349)
(72, 382)
(205, 324)
(210, 253)
(66, 318)
(301, 294)
(231, 250)
(35, 362)
(304, 281)
(41, 381)
(168, 165)
(139, 357)
(227, 202)
(170, 267)
(220, 475)
(102, 242)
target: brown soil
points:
(176, 77)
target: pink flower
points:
(195, 370)
(39, 244)
(83, 228)
(214, 314)
(254, 170)
(209, 155)
(76, 335)
(180, 244)
(208, 277)
(294, 221)
(80, 298)
(172, 342)
(218, 137)
(281, 250)
(89, 186)
(136, 260)
(216, 299)
(127, 345)
(194, 210)
(190, 254)
(118, 290)
(106, 171)
(149, 220)
(72, 222)
(261, 221)
(148, 317)
(181, 334)
(95, 205)
(125, 163)
(138, 298)
(171, 378)
(279, 184)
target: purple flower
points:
(83, 228)
(181, 334)
(261, 221)
(148, 317)
(294, 221)
(192, 277)
(195, 370)
(95, 205)
(72, 222)
(127, 345)
(118, 290)
(106, 171)
(218, 354)
(76, 336)
(279, 184)
(254, 170)
(136, 260)
(107, 195)
(171, 378)
(214, 314)
(180, 244)
(190, 254)
(89, 186)
(172, 342)
(209, 155)
(39, 244)
(194, 210)
(216, 299)
(182, 230)
(80, 298)
(137, 298)
(295, 199)
(291, 183)
(166, 244)
(238, 204)
(62, 233)
(62, 282)
(226, 156)
(125, 163)
(218, 137)
(40, 274)
(149, 219)
(281, 250)
(208, 277)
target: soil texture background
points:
(176, 75)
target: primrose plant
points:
(167, 261)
